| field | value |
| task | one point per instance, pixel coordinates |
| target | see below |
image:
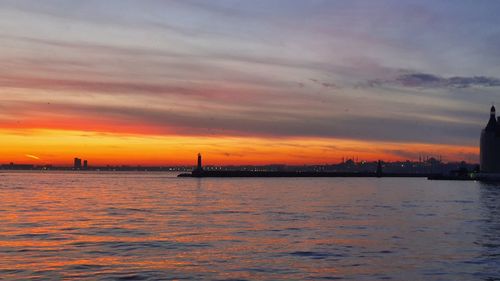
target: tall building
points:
(85, 164)
(77, 165)
(490, 145)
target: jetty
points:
(298, 174)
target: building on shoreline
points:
(490, 145)
(77, 163)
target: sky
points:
(154, 82)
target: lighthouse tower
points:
(199, 168)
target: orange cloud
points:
(32, 156)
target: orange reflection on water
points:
(156, 226)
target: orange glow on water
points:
(108, 224)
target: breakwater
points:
(296, 174)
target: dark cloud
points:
(324, 84)
(464, 82)
(426, 80)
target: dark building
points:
(85, 165)
(490, 145)
(77, 165)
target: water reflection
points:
(156, 226)
(489, 236)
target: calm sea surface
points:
(140, 226)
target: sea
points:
(155, 226)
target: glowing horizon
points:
(244, 82)
(60, 147)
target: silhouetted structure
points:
(199, 167)
(85, 165)
(306, 171)
(490, 145)
(77, 165)
(379, 168)
(13, 166)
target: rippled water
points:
(139, 226)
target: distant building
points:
(77, 165)
(490, 145)
(85, 165)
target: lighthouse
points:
(199, 167)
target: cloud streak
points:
(32, 156)
(426, 80)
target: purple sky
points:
(398, 71)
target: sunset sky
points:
(245, 82)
